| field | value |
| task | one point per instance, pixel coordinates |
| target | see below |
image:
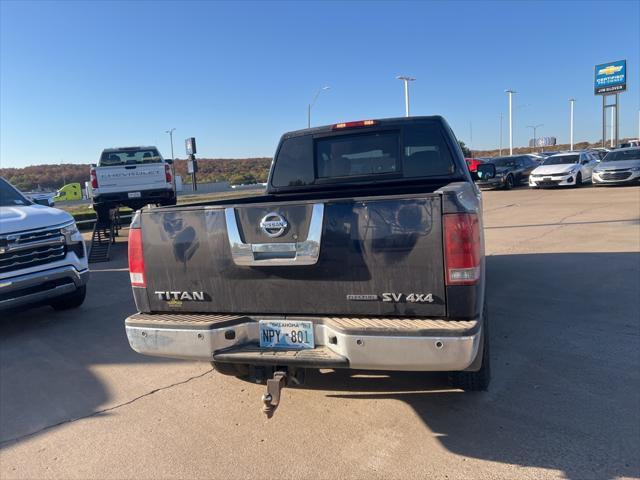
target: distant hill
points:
(52, 177)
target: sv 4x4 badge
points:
(394, 297)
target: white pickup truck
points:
(132, 177)
(42, 254)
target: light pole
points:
(406, 81)
(571, 102)
(535, 127)
(313, 101)
(500, 135)
(510, 92)
(170, 132)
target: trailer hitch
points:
(271, 399)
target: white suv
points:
(42, 254)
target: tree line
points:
(52, 177)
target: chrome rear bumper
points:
(371, 344)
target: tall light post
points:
(510, 92)
(571, 102)
(170, 132)
(535, 127)
(500, 135)
(313, 101)
(406, 81)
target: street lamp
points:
(535, 127)
(170, 132)
(571, 102)
(313, 101)
(510, 92)
(406, 81)
(500, 135)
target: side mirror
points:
(485, 171)
(41, 201)
(169, 161)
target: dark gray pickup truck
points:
(366, 252)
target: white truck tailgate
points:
(125, 178)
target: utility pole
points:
(406, 81)
(313, 101)
(612, 128)
(535, 127)
(510, 92)
(170, 132)
(571, 102)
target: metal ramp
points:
(104, 235)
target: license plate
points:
(286, 334)
(134, 194)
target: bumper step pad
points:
(252, 354)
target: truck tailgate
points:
(376, 257)
(124, 178)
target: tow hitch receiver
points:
(271, 399)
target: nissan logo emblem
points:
(273, 224)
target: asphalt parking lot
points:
(564, 299)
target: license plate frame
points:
(285, 334)
(134, 195)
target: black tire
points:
(579, 180)
(479, 380)
(170, 202)
(508, 185)
(102, 213)
(70, 300)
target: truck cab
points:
(70, 191)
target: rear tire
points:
(232, 369)
(479, 380)
(70, 300)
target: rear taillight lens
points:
(461, 248)
(136, 260)
(94, 178)
(167, 173)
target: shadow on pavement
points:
(47, 356)
(565, 393)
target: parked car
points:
(569, 169)
(366, 252)
(42, 254)
(40, 198)
(473, 163)
(620, 166)
(510, 171)
(131, 177)
(630, 143)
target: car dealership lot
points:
(76, 402)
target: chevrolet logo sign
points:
(610, 70)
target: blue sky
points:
(76, 77)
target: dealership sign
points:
(542, 142)
(611, 78)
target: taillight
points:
(461, 248)
(94, 178)
(136, 260)
(167, 172)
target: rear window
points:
(417, 150)
(129, 157)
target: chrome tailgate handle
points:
(306, 252)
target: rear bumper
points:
(146, 196)
(371, 344)
(40, 286)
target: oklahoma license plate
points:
(286, 334)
